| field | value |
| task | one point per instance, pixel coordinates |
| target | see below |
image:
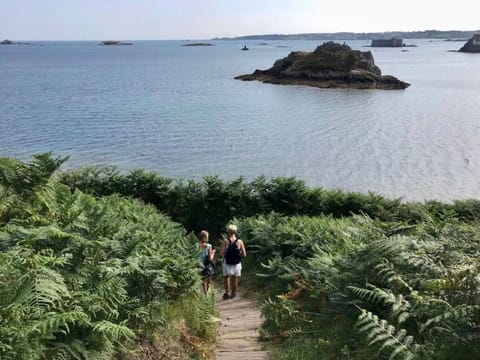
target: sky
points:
(206, 19)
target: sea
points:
(178, 111)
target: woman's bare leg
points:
(226, 284)
(234, 284)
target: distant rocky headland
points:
(198, 44)
(426, 34)
(114, 42)
(10, 42)
(330, 65)
(472, 45)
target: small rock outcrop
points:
(114, 42)
(198, 44)
(7, 42)
(472, 45)
(393, 42)
(330, 65)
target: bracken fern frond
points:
(396, 343)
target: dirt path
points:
(238, 337)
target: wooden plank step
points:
(238, 337)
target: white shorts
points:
(232, 270)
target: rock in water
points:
(114, 43)
(472, 45)
(330, 65)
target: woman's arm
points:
(222, 250)
(242, 248)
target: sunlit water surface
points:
(178, 111)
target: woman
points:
(206, 258)
(232, 269)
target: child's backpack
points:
(233, 255)
(209, 270)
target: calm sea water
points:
(178, 111)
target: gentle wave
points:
(178, 111)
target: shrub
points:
(362, 288)
(86, 277)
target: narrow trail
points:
(238, 337)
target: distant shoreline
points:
(426, 34)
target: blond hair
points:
(232, 228)
(203, 236)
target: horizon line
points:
(252, 35)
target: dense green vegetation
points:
(88, 270)
(90, 278)
(211, 203)
(358, 289)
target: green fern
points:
(396, 343)
(293, 331)
(386, 274)
(58, 323)
(81, 277)
(115, 332)
(399, 307)
(460, 313)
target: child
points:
(206, 258)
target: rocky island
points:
(114, 42)
(330, 65)
(393, 42)
(10, 42)
(197, 44)
(472, 45)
